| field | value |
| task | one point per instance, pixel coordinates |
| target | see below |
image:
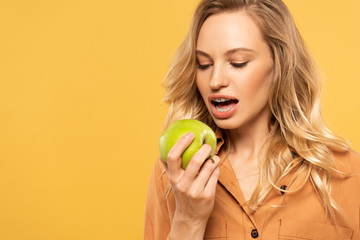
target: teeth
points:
(221, 100)
(223, 109)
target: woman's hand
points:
(193, 188)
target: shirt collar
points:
(219, 139)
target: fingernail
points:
(189, 135)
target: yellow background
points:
(80, 111)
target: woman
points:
(279, 172)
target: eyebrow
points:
(229, 52)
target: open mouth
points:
(224, 104)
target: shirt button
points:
(283, 187)
(254, 233)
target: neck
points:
(246, 141)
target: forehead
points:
(229, 30)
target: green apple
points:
(203, 134)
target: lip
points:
(227, 113)
(212, 97)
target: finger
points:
(174, 155)
(210, 186)
(193, 168)
(206, 172)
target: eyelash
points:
(203, 67)
(235, 65)
(239, 65)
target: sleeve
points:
(156, 221)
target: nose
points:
(218, 78)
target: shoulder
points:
(347, 161)
(157, 185)
(159, 172)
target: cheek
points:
(201, 84)
(204, 89)
(258, 84)
(200, 88)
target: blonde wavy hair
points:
(297, 132)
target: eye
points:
(239, 65)
(203, 66)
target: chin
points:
(228, 123)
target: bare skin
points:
(234, 60)
(194, 189)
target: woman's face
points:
(235, 70)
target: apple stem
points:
(210, 158)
